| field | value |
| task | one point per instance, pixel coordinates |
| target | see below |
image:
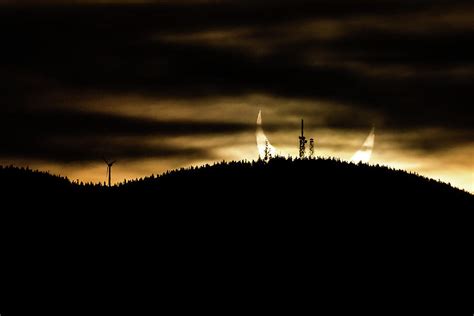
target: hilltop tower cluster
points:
(303, 142)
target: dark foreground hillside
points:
(298, 185)
(286, 237)
(282, 184)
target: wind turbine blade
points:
(365, 152)
(262, 139)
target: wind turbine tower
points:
(109, 170)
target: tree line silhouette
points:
(306, 183)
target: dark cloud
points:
(72, 136)
(198, 15)
(434, 142)
(439, 49)
(91, 149)
(76, 123)
(125, 49)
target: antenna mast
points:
(267, 155)
(303, 141)
(311, 148)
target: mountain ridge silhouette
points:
(300, 181)
(285, 225)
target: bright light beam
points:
(365, 152)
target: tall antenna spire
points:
(303, 141)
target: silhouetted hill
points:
(15, 179)
(293, 183)
(282, 236)
(304, 184)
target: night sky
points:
(165, 84)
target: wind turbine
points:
(109, 169)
